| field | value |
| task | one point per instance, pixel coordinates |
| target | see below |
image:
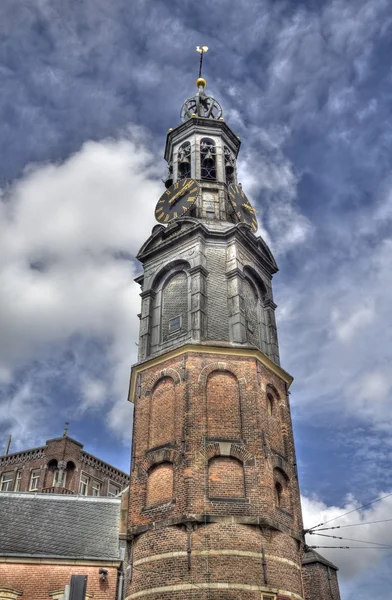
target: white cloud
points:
(66, 234)
(368, 555)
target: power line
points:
(348, 513)
(352, 525)
(338, 537)
(349, 547)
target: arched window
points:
(162, 413)
(208, 159)
(184, 160)
(223, 406)
(225, 478)
(174, 311)
(278, 493)
(270, 404)
(160, 484)
(251, 306)
(282, 490)
(229, 165)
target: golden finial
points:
(200, 81)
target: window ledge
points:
(165, 505)
(230, 499)
(161, 447)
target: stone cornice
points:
(221, 349)
(202, 519)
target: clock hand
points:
(249, 207)
(181, 192)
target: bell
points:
(229, 167)
(169, 181)
(208, 159)
(184, 159)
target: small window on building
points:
(96, 488)
(278, 494)
(83, 487)
(268, 597)
(6, 481)
(113, 490)
(174, 324)
(34, 480)
(59, 478)
(270, 404)
(18, 481)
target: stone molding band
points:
(156, 557)
(213, 586)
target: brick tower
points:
(214, 506)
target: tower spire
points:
(202, 50)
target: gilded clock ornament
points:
(243, 209)
(176, 200)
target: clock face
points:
(177, 200)
(243, 209)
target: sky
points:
(88, 91)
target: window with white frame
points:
(34, 480)
(6, 481)
(18, 481)
(83, 487)
(113, 490)
(57, 481)
(96, 488)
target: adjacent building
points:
(61, 466)
(45, 539)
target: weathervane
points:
(201, 105)
(201, 50)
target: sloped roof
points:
(311, 556)
(59, 526)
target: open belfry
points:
(214, 509)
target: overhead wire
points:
(349, 547)
(348, 512)
(338, 537)
(351, 525)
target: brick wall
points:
(320, 582)
(37, 581)
(223, 400)
(225, 478)
(226, 455)
(162, 412)
(160, 484)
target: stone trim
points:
(222, 366)
(59, 594)
(172, 373)
(222, 448)
(21, 457)
(213, 586)
(156, 457)
(213, 552)
(9, 593)
(206, 349)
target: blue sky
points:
(89, 90)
